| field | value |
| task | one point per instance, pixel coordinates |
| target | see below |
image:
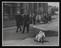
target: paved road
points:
(30, 42)
(10, 37)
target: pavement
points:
(30, 42)
(11, 38)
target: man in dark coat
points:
(26, 22)
(49, 18)
(19, 21)
(34, 19)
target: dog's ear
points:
(40, 31)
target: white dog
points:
(40, 36)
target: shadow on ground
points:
(48, 33)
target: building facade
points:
(26, 8)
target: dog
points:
(40, 37)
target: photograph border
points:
(26, 2)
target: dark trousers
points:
(27, 26)
(18, 26)
(34, 21)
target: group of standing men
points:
(24, 20)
